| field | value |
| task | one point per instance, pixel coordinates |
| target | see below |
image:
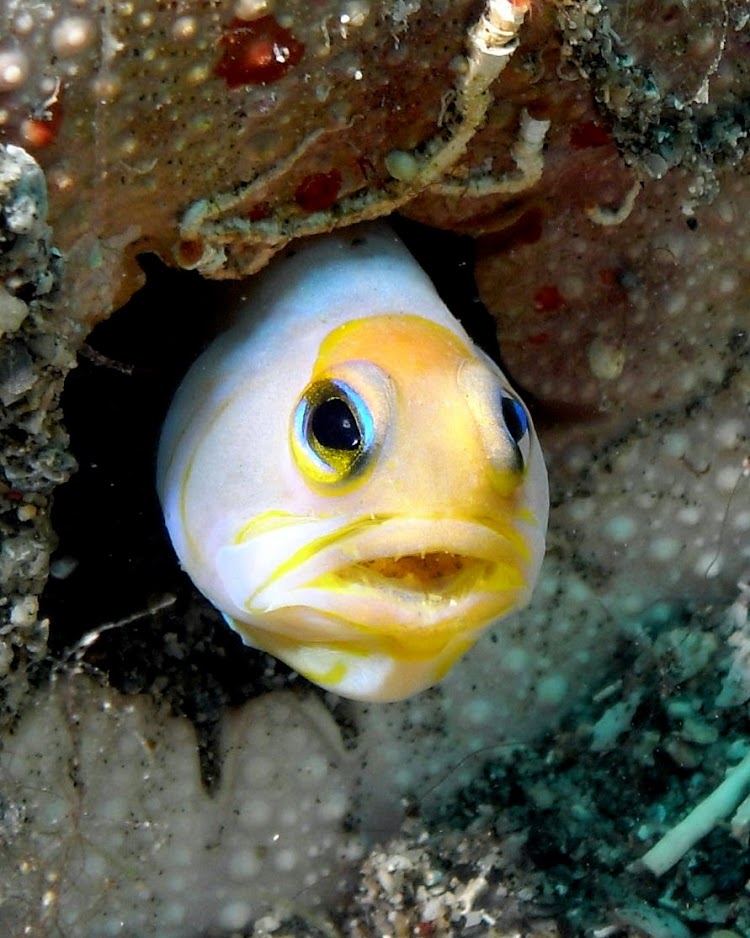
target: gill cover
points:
(348, 478)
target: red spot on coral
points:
(608, 276)
(425, 929)
(14, 495)
(40, 132)
(541, 109)
(540, 338)
(259, 212)
(547, 299)
(189, 252)
(256, 52)
(318, 191)
(589, 134)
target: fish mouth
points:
(323, 580)
(435, 573)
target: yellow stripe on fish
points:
(348, 478)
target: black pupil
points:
(334, 425)
(515, 418)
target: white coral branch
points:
(701, 821)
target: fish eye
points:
(515, 420)
(333, 425)
(502, 421)
(332, 432)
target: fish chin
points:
(352, 671)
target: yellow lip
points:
(393, 581)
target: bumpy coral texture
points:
(204, 123)
(107, 822)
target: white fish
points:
(348, 478)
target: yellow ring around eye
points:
(327, 464)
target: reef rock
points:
(214, 133)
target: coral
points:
(723, 802)
(215, 167)
(212, 226)
(676, 95)
(621, 305)
(34, 357)
(108, 830)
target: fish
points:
(348, 478)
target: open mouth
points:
(317, 577)
(436, 573)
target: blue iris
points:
(335, 426)
(515, 418)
